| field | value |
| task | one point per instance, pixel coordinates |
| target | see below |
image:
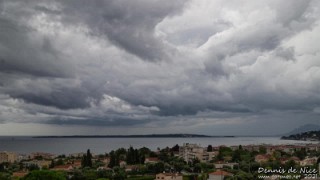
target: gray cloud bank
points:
(198, 65)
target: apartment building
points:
(190, 152)
(8, 157)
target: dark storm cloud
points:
(122, 122)
(146, 63)
(128, 24)
(64, 98)
(23, 51)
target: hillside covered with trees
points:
(306, 136)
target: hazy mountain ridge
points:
(133, 136)
(303, 128)
(305, 136)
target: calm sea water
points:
(102, 145)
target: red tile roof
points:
(221, 173)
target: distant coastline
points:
(305, 136)
(137, 136)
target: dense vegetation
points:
(94, 167)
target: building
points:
(43, 163)
(76, 164)
(122, 164)
(309, 161)
(42, 155)
(151, 160)
(67, 167)
(261, 158)
(220, 165)
(10, 157)
(219, 175)
(19, 174)
(169, 176)
(189, 152)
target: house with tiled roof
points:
(169, 176)
(309, 161)
(66, 167)
(20, 174)
(218, 175)
(260, 158)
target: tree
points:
(90, 174)
(113, 160)
(209, 148)
(45, 174)
(175, 148)
(87, 160)
(119, 174)
(159, 167)
(236, 157)
(301, 154)
(59, 162)
(262, 150)
(52, 164)
(33, 167)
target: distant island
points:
(135, 136)
(305, 136)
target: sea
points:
(58, 146)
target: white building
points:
(190, 152)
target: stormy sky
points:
(213, 67)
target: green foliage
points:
(2, 169)
(135, 156)
(141, 178)
(163, 156)
(4, 176)
(301, 154)
(119, 174)
(45, 175)
(178, 164)
(262, 150)
(289, 164)
(223, 152)
(87, 160)
(131, 156)
(38, 157)
(236, 156)
(77, 175)
(90, 174)
(190, 177)
(241, 175)
(58, 162)
(114, 161)
(33, 167)
(156, 168)
(175, 148)
(62, 156)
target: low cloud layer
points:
(209, 67)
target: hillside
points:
(303, 128)
(305, 136)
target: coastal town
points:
(180, 162)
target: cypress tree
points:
(89, 158)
